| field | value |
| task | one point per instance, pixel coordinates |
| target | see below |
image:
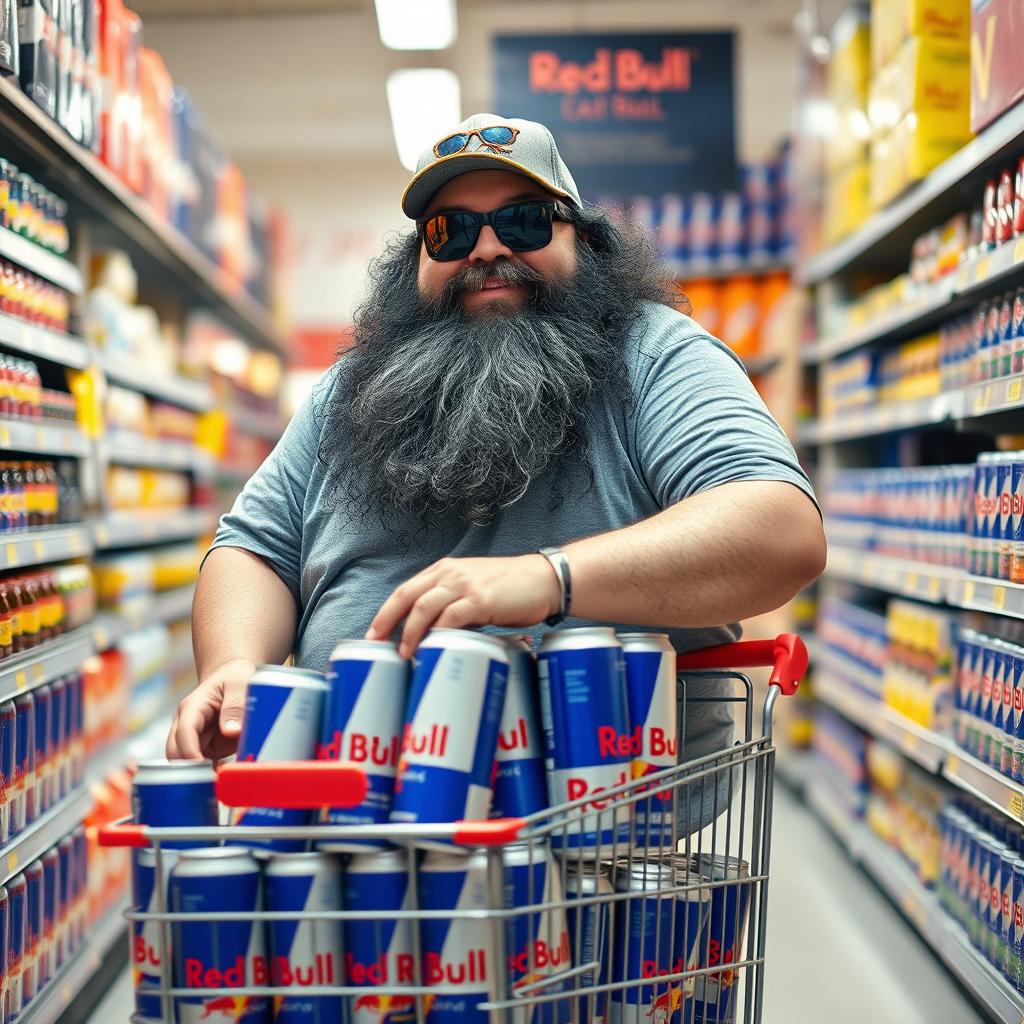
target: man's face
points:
(481, 192)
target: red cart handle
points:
(302, 785)
(786, 654)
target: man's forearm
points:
(242, 611)
(723, 555)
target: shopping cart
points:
(673, 931)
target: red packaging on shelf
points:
(1018, 199)
(990, 213)
(1004, 207)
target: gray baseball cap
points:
(489, 142)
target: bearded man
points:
(519, 381)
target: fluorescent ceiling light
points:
(416, 24)
(424, 103)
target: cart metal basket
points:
(668, 929)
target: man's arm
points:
(719, 556)
(242, 616)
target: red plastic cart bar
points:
(301, 785)
(786, 654)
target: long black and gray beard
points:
(452, 416)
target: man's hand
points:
(460, 592)
(209, 719)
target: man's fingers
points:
(232, 707)
(194, 716)
(399, 605)
(423, 615)
(171, 750)
(458, 615)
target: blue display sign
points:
(632, 113)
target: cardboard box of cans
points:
(894, 21)
(997, 78)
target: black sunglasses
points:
(521, 227)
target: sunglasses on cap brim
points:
(521, 227)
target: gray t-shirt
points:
(696, 422)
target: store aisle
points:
(838, 951)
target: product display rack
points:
(684, 271)
(189, 394)
(45, 545)
(169, 606)
(40, 342)
(40, 261)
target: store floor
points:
(837, 950)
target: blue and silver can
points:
(58, 739)
(305, 953)
(52, 912)
(451, 728)
(17, 899)
(368, 685)
(25, 762)
(379, 951)
(34, 900)
(520, 788)
(283, 710)
(175, 794)
(588, 745)
(44, 748)
(149, 898)
(1015, 951)
(588, 918)
(224, 955)
(8, 717)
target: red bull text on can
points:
(653, 703)
(149, 898)
(305, 953)
(520, 788)
(451, 728)
(175, 794)
(458, 959)
(588, 745)
(536, 942)
(283, 710)
(588, 918)
(17, 895)
(218, 954)
(379, 951)
(362, 723)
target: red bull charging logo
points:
(380, 751)
(541, 956)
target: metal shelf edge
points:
(189, 394)
(26, 672)
(119, 531)
(1001, 793)
(30, 339)
(56, 269)
(37, 547)
(109, 627)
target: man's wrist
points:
(555, 557)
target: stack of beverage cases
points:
(393, 916)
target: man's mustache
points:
(471, 279)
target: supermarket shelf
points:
(46, 663)
(882, 419)
(992, 397)
(104, 936)
(36, 437)
(137, 450)
(91, 188)
(923, 206)
(911, 579)
(191, 394)
(711, 272)
(976, 777)
(987, 595)
(128, 529)
(109, 627)
(268, 426)
(40, 261)
(42, 343)
(46, 830)
(37, 547)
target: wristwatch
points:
(561, 566)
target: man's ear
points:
(581, 234)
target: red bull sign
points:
(632, 113)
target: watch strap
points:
(561, 566)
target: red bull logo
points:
(438, 971)
(144, 954)
(613, 744)
(319, 972)
(380, 751)
(624, 70)
(388, 1008)
(378, 972)
(515, 738)
(577, 788)
(229, 1007)
(542, 956)
(197, 975)
(433, 743)
(665, 1006)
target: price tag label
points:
(981, 271)
(1018, 251)
(40, 437)
(1016, 805)
(12, 556)
(912, 581)
(934, 587)
(20, 679)
(102, 640)
(12, 861)
(39, 549)
(102, 535)
(968, 591)
(75, 544)
(1013, 390)
(953, 763)
(38, 671)
(999, 597)
(5, 437)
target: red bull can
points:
(306, 953)
(223, 955)
(79, 890)
(8, 717)
(75, 731)
(672, 227)
(520, 788)
(52, 912)
(283, 711)
(1015, 938)
(458, 958)
(149, 898)
(31, 972)
(379, 952)
(64, 901)
(451, 728)
(25, 761)
(702, 227)
(1006, 909)
(175, 794)
(362, 723)
(5, 952)
(536, 942)
(58, 739)
(651, 691)
(656, 934)
(44, 752)
(722, 942)
(588, 745)
(588, 918)
(17, 901)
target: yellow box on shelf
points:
(893, 21)
(847, 202)
(849, 67)
(849, 138)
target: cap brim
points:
(421, 189)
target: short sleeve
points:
(267, 516)
(699, 421)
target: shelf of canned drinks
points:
(128, 529)
(32, 340)
(40, 261)
(177, 390)
(49, 544)
(43, 664)
(885, 418)
(37, 437)
(920, 906)
(688, 270)
(170, 606)
(154, 453)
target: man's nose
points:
(488, 247)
